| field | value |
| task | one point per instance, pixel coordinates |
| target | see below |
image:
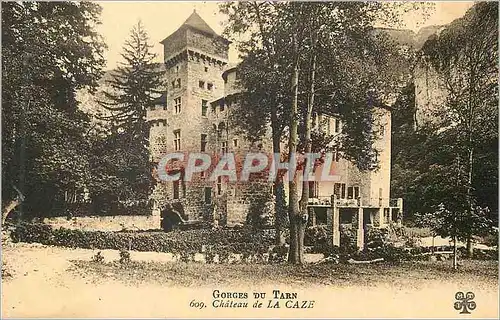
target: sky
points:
(160, 19)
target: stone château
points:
(197, 115)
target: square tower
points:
(195, 57)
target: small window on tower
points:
(177, 105)
(177, 140)
(210, 86)
(204, 107)
(203, 142)
(177, 69)
(235, 143)
(201, 84)
(206, 69)
(224, 147)
(173, 84)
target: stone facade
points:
(199, 114)
(196, 118)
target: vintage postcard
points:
(248, 159)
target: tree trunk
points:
(308, 148)
(279, 207)
(308, 145)
(294, 255)
(279, 204)
(470, 249)
(8, 209)
(455, 258)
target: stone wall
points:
(211, 45)
(105, 223)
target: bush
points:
(317, 237)
(376, 237)
(98, 258)
(33, 232)
(124, 257)
(491, 239)
(278, 254)
(186, 243)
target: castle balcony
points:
(359, 202)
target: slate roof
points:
(196, 22)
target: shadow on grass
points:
(407, 274)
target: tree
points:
(49, 50)
(300, 43)
(124, 152)
(464, 143)
(452, 223)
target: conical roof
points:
(196, 22)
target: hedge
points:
(241, 241)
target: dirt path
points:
(42, 286)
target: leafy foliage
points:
(301, 59)
(49, 50)
(447, 170)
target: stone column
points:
(312, 216)
(360, 235)
(381, 217)
(400, 206)
(335, 221)
(336, 226)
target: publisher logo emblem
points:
(464, 302)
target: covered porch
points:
(357, 212)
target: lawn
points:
(407, 274)
(50, 281)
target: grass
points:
(407, 274)
(418, 232)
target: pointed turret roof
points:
(196, 22)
